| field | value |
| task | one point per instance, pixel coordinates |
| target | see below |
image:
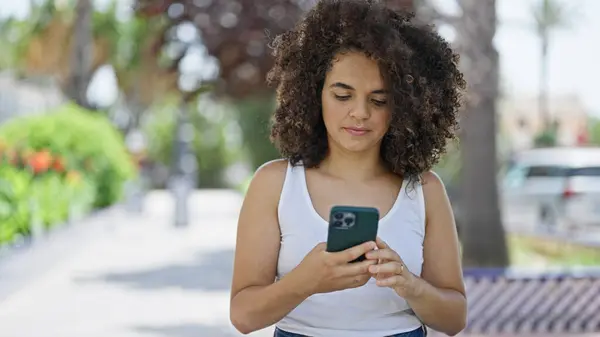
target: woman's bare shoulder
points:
(433, 186)
(268, 180)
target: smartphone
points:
(350, 226)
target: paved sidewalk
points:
(136, 276)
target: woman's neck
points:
(353, 166)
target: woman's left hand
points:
(391, 271)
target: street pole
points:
(184, 169)
(136, 188)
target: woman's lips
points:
(356, 131)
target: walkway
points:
(126, 275)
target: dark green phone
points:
(350, 226)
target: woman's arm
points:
(257, 301)
(440, 302)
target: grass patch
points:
(526, 251)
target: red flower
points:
(40, 162)
(58, 165)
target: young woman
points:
(366, 104)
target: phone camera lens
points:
(348, 221)
(338, 216)
(338, 223)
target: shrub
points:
(84, 141)
(33, 192)
(57, 166)
(545, 139)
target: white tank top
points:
(367, 311)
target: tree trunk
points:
(80, 72)
(483, 239)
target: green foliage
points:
(15, 36)
(529, 251)
(105, 24)
(549, 15)
(87, 141)
(209, 141)
(128, 38)
(449, 166)
(254, 116)
(546, 139)
(57, 166)
(14, 204)
(594, 130)
(49, 198)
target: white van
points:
(552, 189)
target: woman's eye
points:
(342, 98)
(379, 103)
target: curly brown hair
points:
(418, 67)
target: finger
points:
(355, 252)
(392, 282)
(383, 254)
(381, 244)
(392, 267)
(321, 246)
(354, 269)
(381, 276)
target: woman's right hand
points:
(322, 272)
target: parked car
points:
(552, 189)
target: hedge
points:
(56, 165)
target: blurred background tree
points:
(81, 53)
(482, 232)
(236, 34)
(60, 42)
(52, 43)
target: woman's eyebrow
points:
(349, 87)
(342, 86)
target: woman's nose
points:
(360, 111)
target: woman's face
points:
(355, 103)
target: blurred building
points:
(520, 120)
(19, 97)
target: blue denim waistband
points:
(420, 332)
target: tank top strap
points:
(291, 190)
(414, 201)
